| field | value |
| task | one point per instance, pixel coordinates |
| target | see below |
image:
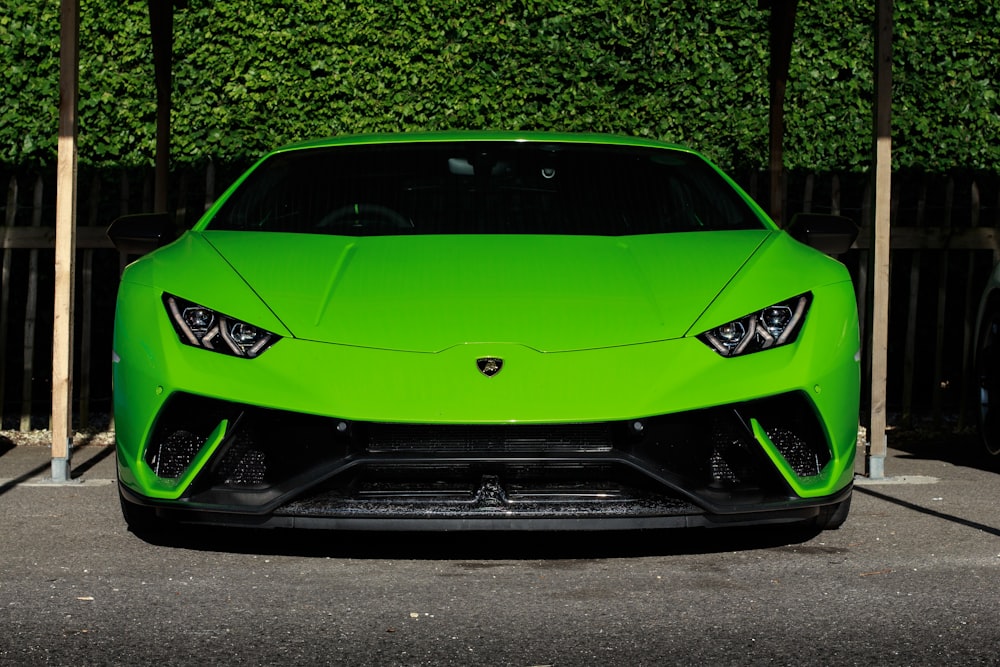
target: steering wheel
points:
(365, 216)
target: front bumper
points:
(762, 461)
(313, 434)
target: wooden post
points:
(879, 254)
(62, 327)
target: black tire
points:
(988, 374)
(142, 521)
(833, 517)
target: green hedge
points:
(253, 74)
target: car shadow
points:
(959, 448)
(493, 545)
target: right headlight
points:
(770, 327)
(209, 329)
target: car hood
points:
(429, 293)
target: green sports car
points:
(485, 331)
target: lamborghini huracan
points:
(519, 331)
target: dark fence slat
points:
(939, 238)
(31, 312)
(83, 381)
(862, 286)
(942, 304)
(913, 306)
(835, 195)
(9, 219)
(971, 308)
(209, 185)
(44, 238)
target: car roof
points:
(482, 136)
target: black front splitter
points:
(492, 518)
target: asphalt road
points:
(913, 578)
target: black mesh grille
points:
(803, 459)
(565, 438)
(174, 453)
(656, 465)
(732, 460)
(182, 429)
(506, 491)
(243, 464)
(791, 425)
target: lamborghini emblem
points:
(489, 366)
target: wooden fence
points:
(944, 244)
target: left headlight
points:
(767, 328)
(209, 329)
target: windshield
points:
(484, 188)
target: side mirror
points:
(831, 234)
(142, 233)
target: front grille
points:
(791, 425)
(182, 429)
(804, 459)
(657, 465)
(174, 453)
(504, 438)
(506, 491)
(244, 465)
(262, 448)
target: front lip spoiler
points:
(792, 512)
(269, 500)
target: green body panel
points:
(388, 329)
(427, 293)
(392, 386)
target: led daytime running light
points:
(208, 329)
(767, 328)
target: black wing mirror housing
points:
(830, 234)
(142, 233)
